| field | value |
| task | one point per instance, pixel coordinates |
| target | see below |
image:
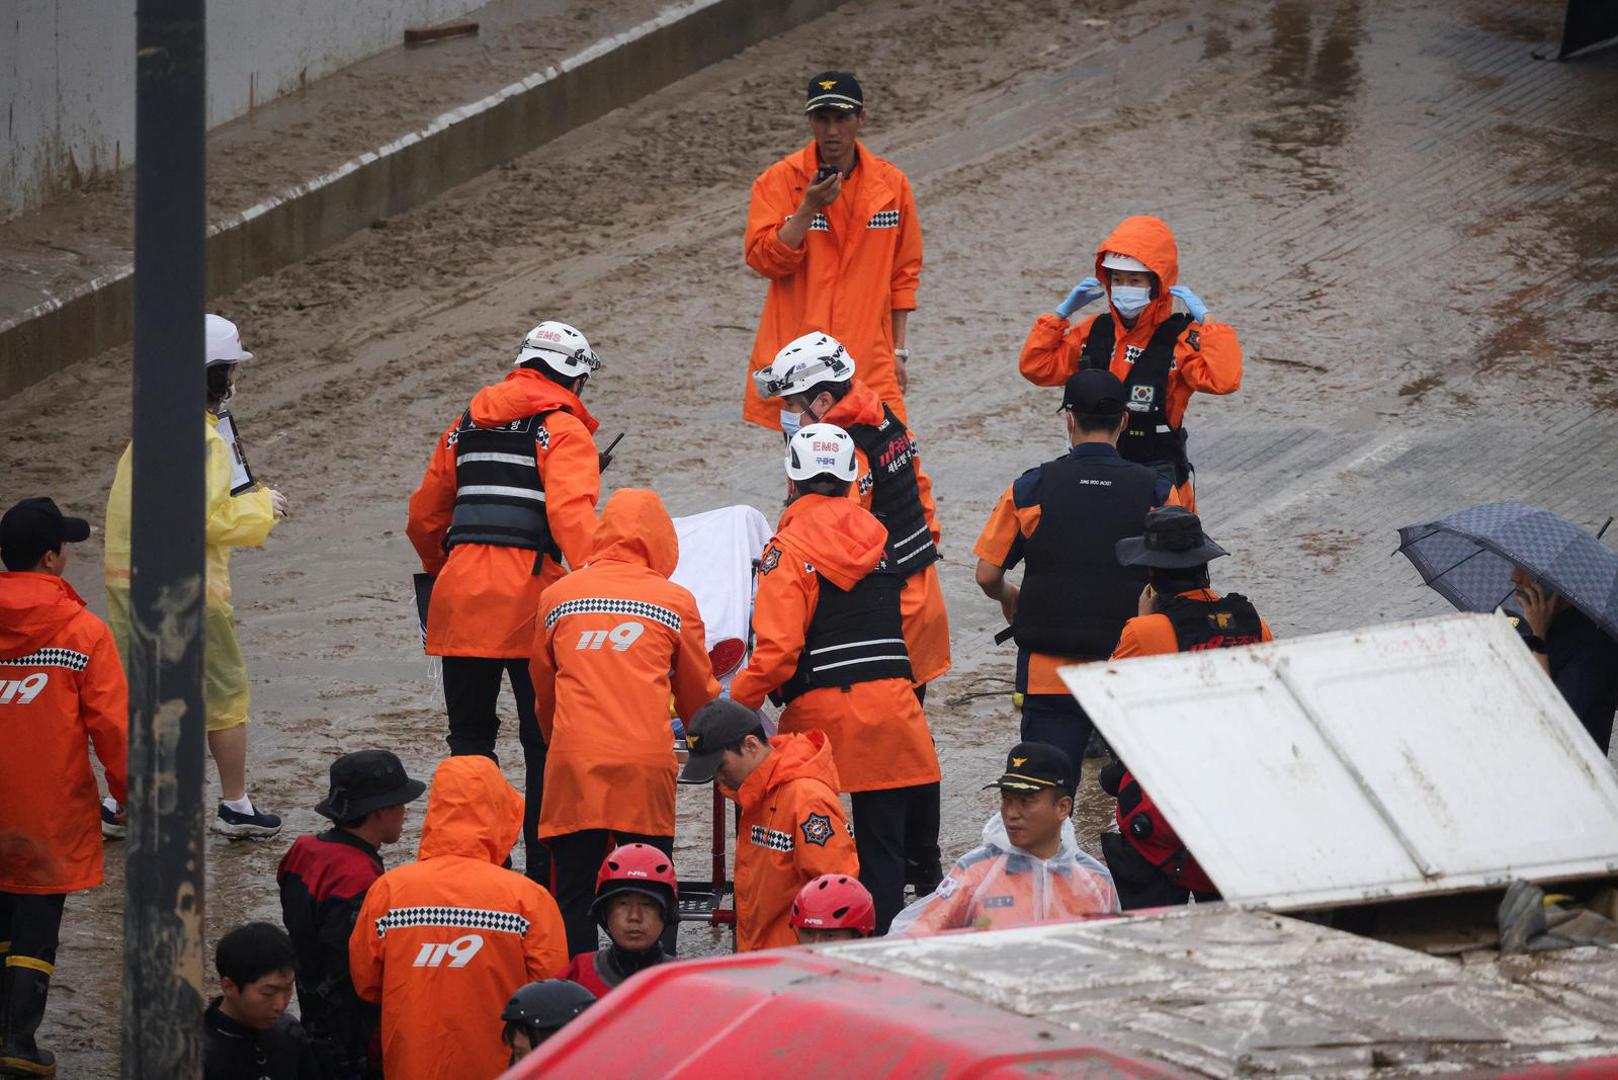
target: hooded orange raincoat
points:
(926, 619)
(877, 729)
(792, 830)
(441, 944)
(1207, 356)
(485, 597)
(60, 684)
(859, 263)
(613, 641)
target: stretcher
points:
(719, 553)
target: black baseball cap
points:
(719, 724)
(834, 90)
(35, 526)
(1035, 766)
(1173, 540)
(367, 780)
(1093, 392)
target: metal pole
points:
(162, 984)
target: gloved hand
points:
(1085, 292)
(1193, 303)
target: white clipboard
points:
(241, 474)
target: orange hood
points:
(634, 528)
(33, 608)
(839, 537)
(1148, 239)
(524, 393)
(860, 405)
(806, 756)
(472, 811)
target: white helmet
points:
(820, 450)
(561, 347)
(1112, 260)
(222, 341)
(807, 361)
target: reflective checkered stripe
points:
(884, 219)
(68, 658)
(818, 223)
(457, 917)
(770, 838)
(601, 605)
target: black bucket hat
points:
(367, 780)
(1174, 540)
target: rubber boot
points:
(25, 992)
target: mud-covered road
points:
(1409, 219)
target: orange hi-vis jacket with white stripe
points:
(441, 944)
(613, 641)
(791, 831)
(61, 689)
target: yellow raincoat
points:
(233, 521)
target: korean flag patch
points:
(1141, 398)
(816, 829)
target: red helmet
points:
(637, 868)
(834, 902)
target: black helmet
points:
(547, 1004)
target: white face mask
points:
(1130, 300)
(790, 422)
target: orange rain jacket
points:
(444, 942)
(485, 597)
(877, 729)
(792, 830)
(859, 263)
(60, 683)
(1207, 356)
(613, 641)
(926, 619)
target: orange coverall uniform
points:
(442, 943)
(613, 641)
(859, 263)
(1207, 356)
(791, 831)
(926, 619)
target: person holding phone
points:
(834, 229)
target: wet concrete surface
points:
(1408, 218)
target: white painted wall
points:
(67, 74)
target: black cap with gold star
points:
(1035, 766)
(835, 90)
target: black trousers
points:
(923, 861)
(30, 925)
(1139, 883)
(576, 858)
(1058, 720)
(882, 835)
(471, 697)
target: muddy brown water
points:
(1405, 214)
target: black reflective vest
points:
(499, 494)
(895, 494)
(854, 636)
(1075, 596)
(1213, 624)
(1150, 438)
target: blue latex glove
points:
(1193, 303)
(1085, 292)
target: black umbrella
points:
(1468, 557)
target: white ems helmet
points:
(1113, 261)
(222, 342)
(561, 347)
(820, 450)
(807, 361)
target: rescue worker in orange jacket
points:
(1179, 612)
(613, 641)
(510, 492)
(791, 828)
(1162, 357)
(1029, 868)
(815, 377)
(829, 643)
(441, 943)
(834, 229)
(61, 685)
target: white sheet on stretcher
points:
(717, 550)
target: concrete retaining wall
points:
(67, 74)
(454, 148)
